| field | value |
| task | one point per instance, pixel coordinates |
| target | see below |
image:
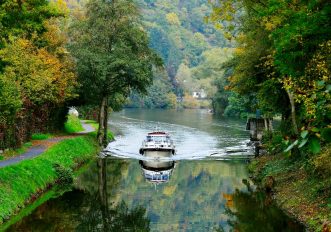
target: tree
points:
(24, 18)
(36, 71)
(112, 53)
(172, 18)
(39, 76)
(283, 60)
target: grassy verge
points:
(14, 152)
(22, 183)
(55, 192)
(302, 194)
(73, 124)
(41, 136)
(96, 126)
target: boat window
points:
(157, 139)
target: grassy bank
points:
(96, 127)
(22, 183)
(297, 188)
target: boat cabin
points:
(158, 137)
(153, 176)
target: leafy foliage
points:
(41, 77)
(36, 71)
(112, 55)
(282, 62)
(73, 124)
(180, 36)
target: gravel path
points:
(87, 127)
(42, 145)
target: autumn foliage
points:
(36, 71)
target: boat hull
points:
(157, 165)
(158, 153)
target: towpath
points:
(39, 146)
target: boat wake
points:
(191, 143)
(242, 151)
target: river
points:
(206, 188)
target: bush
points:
(40, 136)
(274, 142)
(64, 175)
(322, 162)
(73, 124)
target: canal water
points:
(206, 187)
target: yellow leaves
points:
(310, 88)
(269, 26)
(228, 35)
(172, 18)
(272, 22)
(42, 77)
(218, 26)
(60, 5)
(288, 83)
(169, 190)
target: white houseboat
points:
(157, 173)
(157, 144)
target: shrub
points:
(64, 175)
(41, 136)
(322, 162)
(73, 124)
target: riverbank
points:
(22, 183)
(299, 193)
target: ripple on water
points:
(191, 143)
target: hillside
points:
(179, 34)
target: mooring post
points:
(256, 127)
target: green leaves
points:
(112, 52)
(302, 143)
(304, 134)
(314, 145)
(326, 134)
(312, 139)
(292, 145)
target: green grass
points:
(96, 126)
(18, 151)
(73, 125)
(19, 183)
(300, 189)
(53, 193)
(41, 136)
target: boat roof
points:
(158, 133)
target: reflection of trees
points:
(87, 206)
(104, 217)
(253, 211)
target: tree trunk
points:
(105, 124)
(103, 196)
(101, 120)
(294, 122)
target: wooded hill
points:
(179, 34)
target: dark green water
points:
(202, 194)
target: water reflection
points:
(88, 206)
(157, 172)
(113, 194)
(254, 211)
